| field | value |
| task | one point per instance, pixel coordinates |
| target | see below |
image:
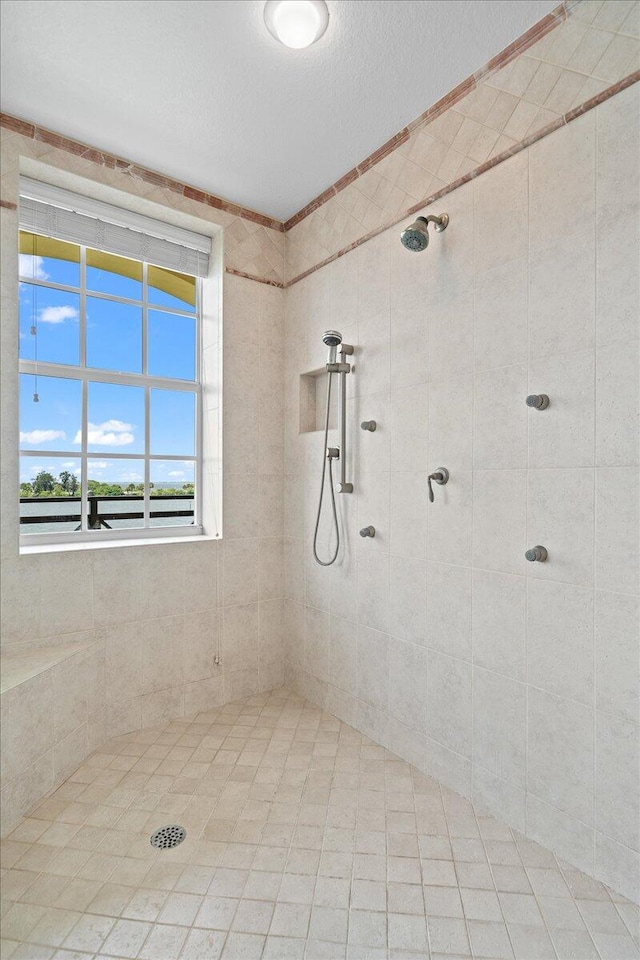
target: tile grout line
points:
(595, 495)
(527, 513)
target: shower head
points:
(333, 339)
(416, 237)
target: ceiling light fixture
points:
(296, 23)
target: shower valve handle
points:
(439, 476)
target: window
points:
(110, 391)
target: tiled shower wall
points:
(514, 683)
(579, 51)
(155, 614)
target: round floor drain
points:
(167, 837)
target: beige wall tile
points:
(560, 516)
(499, 622)
(561, 296)
(617, 404)
(499, 726)
(449, 609)
(617, 555)
(560, 639)
(449, 718)
(27, 730)
(617, 626)
(563, 434)
(500, 419)
(500, 224)
(501, 311)
(560, 754)
(617, 806)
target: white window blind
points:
(54, 212)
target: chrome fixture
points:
(332, 339)
(335, 364)
(167, 837)
(416, 237)
(439, 476)
(537, 553)
(368, 532)
(539, 401)
(368, 425)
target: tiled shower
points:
(514, 683)
(494, 694)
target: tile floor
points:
(304, 839)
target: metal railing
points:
(100, 518)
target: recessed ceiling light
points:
(296, 23)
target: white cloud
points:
(32, 267)
(176, 473)
(111, 433)
(132, 476)
(41, 436)
(57, 314)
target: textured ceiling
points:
(200, 91)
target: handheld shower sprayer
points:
(333, 339)
(416, 236)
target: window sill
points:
(111, 544)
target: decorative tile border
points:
(33, 132)
(514, 49)
(251, 245)
(571, 60)
(250, 276)
(582, 50)
(493, 162)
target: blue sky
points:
(114, 342)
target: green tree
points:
(65, 480)
(68, 482)
(43, 483)
(100, 489)
(26, 490)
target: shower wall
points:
(514, 683)
(145, 622)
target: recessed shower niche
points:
(313, 399)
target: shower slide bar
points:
(338, 365)
(342, 369)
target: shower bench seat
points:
(51, 718)
(18, 666)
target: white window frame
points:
(86, 375)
